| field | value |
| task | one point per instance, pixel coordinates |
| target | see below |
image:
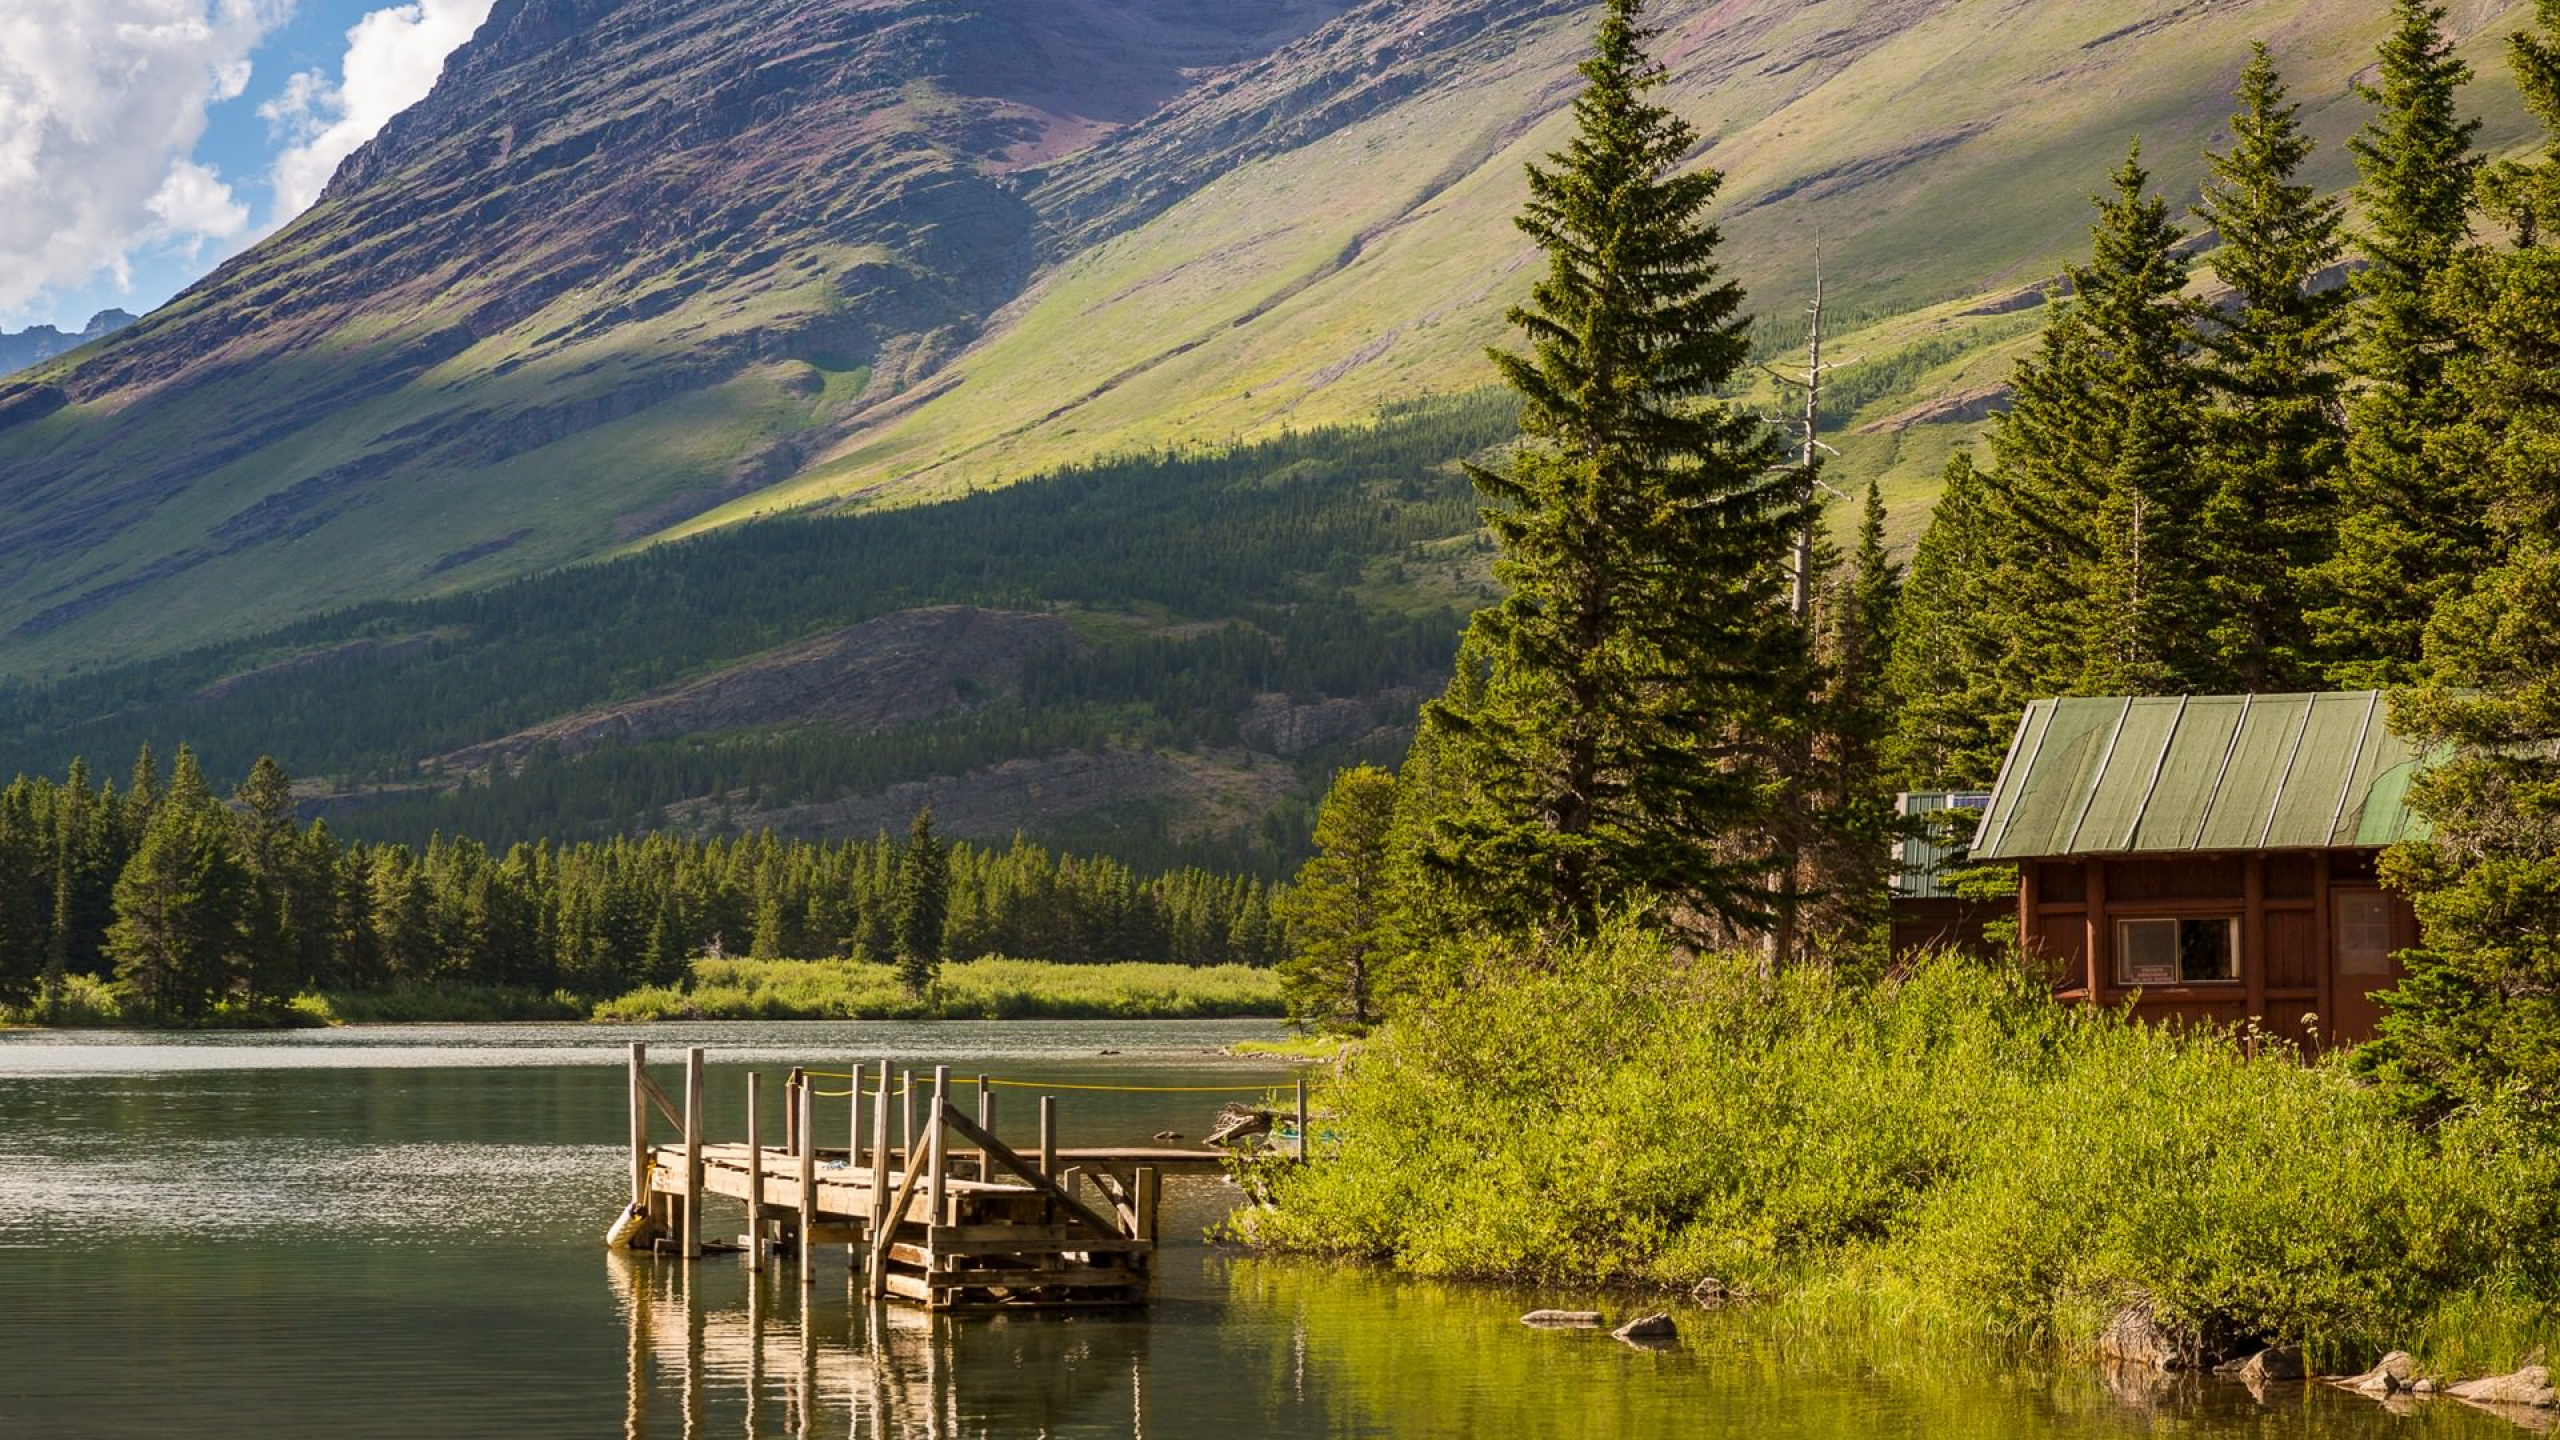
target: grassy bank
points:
(1949, 1152)
(989, 989)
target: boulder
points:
(2138, 1341)
(2393, 1373)
(1563, 1319)
(2530, 1386)
(2281, 1362)
(1647, 1327)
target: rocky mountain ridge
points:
(641, 267)
(22, 348)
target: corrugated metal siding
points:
(2155, 774)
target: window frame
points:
(2126, 979)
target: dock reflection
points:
(721, 1349)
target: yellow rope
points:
(1058, 1085)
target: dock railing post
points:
(793, 1137)
(693, 1153)
(987, 1123)
(755, 1169)
(809, 1187)
(907, 1111)
(639, 1126)
(880, 1153)
(1049, 1136)
(934, 1218)
(1302, 1121)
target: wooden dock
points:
(976, 1225)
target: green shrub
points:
(1950, 1146)
(986, 989)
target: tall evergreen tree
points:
(2277, 440)
(1640, 528)
(2476, 1020)
(2410, 529)
(176, 939)
(1337, 975)
(1838, 836)
(924, 878)
(1943, 668)
(2101, 586)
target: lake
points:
(397, 1231)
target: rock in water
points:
(2530, 1386)
(2391, 1373)
(1656, 1326)
(2134, 1338)
(2282, 1362)
(1563, 1319)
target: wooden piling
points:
(693, 1099)
(791, 1132)
(639, 1126)
(1302, 1120)
(1049, 1136)
(809, 1185)
(755, 1169)
(986, 1122)
(907, 1110)
(934, 1192)
(880, 1151)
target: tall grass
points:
(1949, 1150)
(988, 989)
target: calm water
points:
(396, 1232)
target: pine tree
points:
(1336, 974)
(272, 948)
(1840, 838)
(1640, 529)
(2476, 1020)
(2410, 530)
(2100, 586)
(2277, 440)
(922, 902)
(1946, 648)
(176, 938)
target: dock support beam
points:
(755, 1170)
(808, 1158)
(933, 1153)
(880, 1151)
(693, 1153)
(639, 1126)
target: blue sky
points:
(143, 141)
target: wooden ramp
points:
(972, 1226)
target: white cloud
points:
(194, 205)
(392, 61)
(101, 105)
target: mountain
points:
(638, 268)
(22, 348)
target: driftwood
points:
(1237, 1123)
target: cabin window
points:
(2361, 921)
(2189, 950)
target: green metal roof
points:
(2200, 773)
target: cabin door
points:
(2363, 937)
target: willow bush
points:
(1949, 1143)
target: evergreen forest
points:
(197, 910)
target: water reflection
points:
(722, 1348)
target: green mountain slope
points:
(641, 268)
(1163, 657)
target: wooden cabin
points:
(2210, 857)
(1925, 911)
